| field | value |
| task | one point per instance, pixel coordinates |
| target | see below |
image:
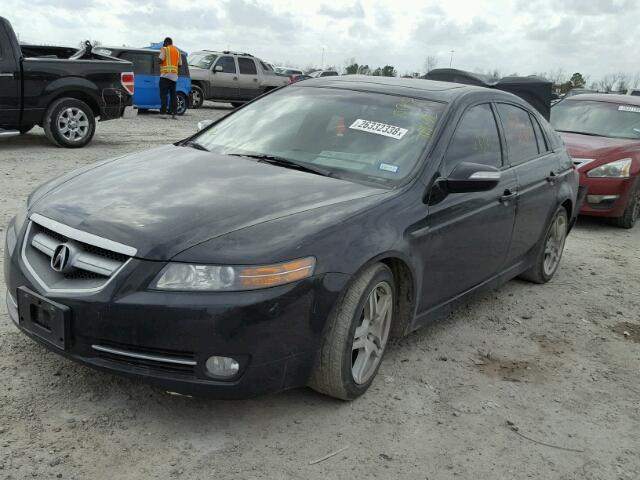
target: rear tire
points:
(182, 103)
(631, 211)
(357, 334)
(197, 96)
(69, 123)
(550, 249)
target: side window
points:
(247, 66)
(228, 64)
(183, 70)
(265, 67)
(542, 141)
(518, 132)
(476, 140)
(142, 62)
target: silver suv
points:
(230, 77)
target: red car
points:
(602, 134)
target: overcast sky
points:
(595, 37)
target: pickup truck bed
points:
(63, 95)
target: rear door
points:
(9, 80)
(469, 233)
(146, 67)
(537, 170)
(249, 81)
(224, 84)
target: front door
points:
(468, 234)
(249, 81)
(9, 83)
(538, 172)
(146, 67)
(224, 84)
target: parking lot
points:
(532, 381)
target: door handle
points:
(508, 195)
(255, 79)
(552, 177)
(235, 78)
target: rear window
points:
(142, 62)
(247, 66)
(183, 71)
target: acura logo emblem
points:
(60, 258)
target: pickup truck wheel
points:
(550, 249)
(197, 97)
(69, 123)
(26, 128)
(182, 103)
(357, 334)
(631, 211)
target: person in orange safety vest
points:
(170, 61)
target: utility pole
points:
(451, 59)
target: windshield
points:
(597, 118)
(370, 136)
(201, 60)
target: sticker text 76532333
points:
(379, 128)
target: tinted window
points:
(247, 66)
(329, 74)
(183, 70)
(142, 62)
(476, 140)
(228, 64)
(518, 132)
(635, 93)
(542, 142)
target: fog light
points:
(223, 367)
(601, 198)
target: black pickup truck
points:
(63, 94)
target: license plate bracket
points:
(44, 318)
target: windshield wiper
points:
(580, 133)
(284, 162)
(196, 145)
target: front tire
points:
(631, 211)
(182, 103)
(550, 250)
(69, 123)
(197, 96)
(357, 336)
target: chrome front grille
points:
(64, 259)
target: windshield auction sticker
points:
(628, 108)
(379, 128)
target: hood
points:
(198, 73)
(166, 200)
(601, 149)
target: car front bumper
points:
(165, 338)
(607, 197)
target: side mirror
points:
(218, 68)
(471, 177)
(202, 124)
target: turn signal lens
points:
(278, 274)
(188, 277)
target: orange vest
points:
(171, 60)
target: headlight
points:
(20, 218)
(183, 276)
(618, 169)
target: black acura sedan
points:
(284, 244)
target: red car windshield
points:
(603, 119)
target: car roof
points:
(605, 97)
(427, 89)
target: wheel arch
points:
(76, 95)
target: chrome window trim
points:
(41, 282)
(83, 237)
(143, 356)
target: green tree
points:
(389, 71)
(577, 80)
(351, 69)
(364, 70)
(377, 72)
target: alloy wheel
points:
(555, 245)
(73, 124)
(371, 335)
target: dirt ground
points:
(528, 382)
